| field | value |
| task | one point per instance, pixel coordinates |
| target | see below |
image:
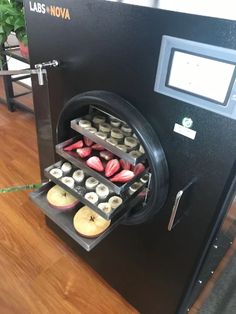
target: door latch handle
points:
(176, 203)
(40, 70)
(174, 210)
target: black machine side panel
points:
(115, 47)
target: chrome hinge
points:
(40, 70)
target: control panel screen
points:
(200, 75)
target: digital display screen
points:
(201, 76)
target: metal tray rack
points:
(65, 219)
(74, 158)
(77, 193)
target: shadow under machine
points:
(163, 84)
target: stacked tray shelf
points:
(79, 191)
(74, 158)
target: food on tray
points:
(87, 141)
(135, 153)
(78, 176)
(98, 147)
(123, 148)
(91, 183)
(69, 181)
(123, 176)
(80, 190)
(139, 168)
(115, 201)
(117, 134)
(134, 187)
(112, 167)
(115, 123)
(145, 178)
(112, 141)
(141, 149)
(88, 223)
(98, 119)
(75, 145)
(84, 152)
(66, 167)
(92, 197)
(56, 172)
(105, 127)
(131, 141)
(61, 199)
(95, 163)
(102, 135)
(105, 154)
(92, 130)
(125, 164)
(84, 123)
(105, 207)
(127, 131)
(102, 191)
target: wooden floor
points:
(38, 272)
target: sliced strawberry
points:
(84, 152)
(139, 168)
(98, 147)
(75, 145)
(106, 155)
(95, 163)
(123, 176)
(125, 164)
(87, 141)
(112, 167)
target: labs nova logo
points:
(56, 11)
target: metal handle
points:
(175, 208)
(39, 70)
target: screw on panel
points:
(200, 281)
(212, 272)
(215, 246)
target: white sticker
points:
(185, 131)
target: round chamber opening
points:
(121, 109)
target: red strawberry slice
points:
(139, 168)
(75, 145)
(106, 155)
(98, 147)
(123, 176)
(95, 163)
(87, 141)
(84, 152)
(112, 167)
(124, 164)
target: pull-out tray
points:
(65, 219)
(74, 158)
(116, 151)
(79, 191)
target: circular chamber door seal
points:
(117, 106)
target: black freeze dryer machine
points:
(162, 83)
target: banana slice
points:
(102, 135)
(141, 149)
(92, 197)
(98, 119)
(102, 191)
(69, 181)
(115, 123)
(135, 153)
(66, 167)
(115, 201)
(112, 141)
(127, 131)
(134, 187)
(78, 176)
(130, 142)
(84, 123)
(105, 207)
(117, 134)
(57, 173)
(105, 127)
(91, 183)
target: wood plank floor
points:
(38, 272)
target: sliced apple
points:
(61, 199)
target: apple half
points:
(60, 199)
(88, 223)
